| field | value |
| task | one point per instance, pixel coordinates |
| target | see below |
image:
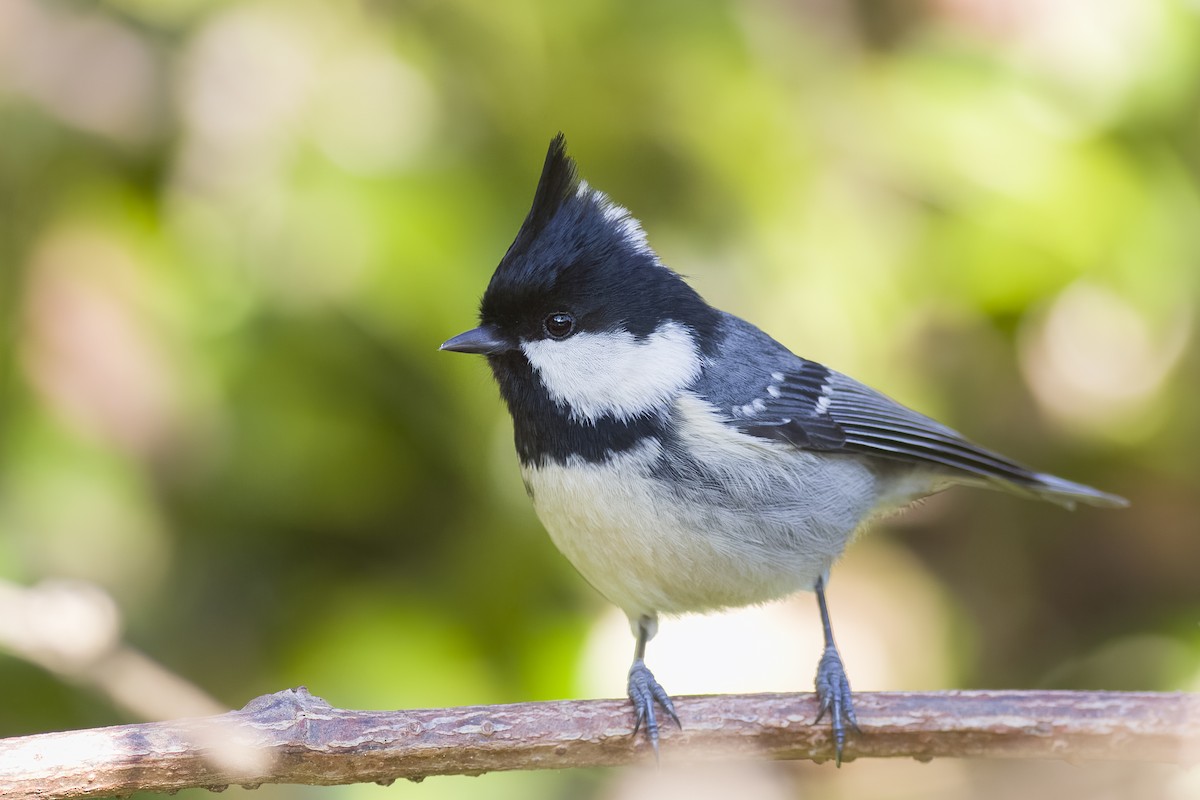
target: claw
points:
(645, 692)
(833, 692)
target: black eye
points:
(559, 324)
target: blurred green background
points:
(232, 235)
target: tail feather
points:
(1064, 492)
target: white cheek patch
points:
(615, 374)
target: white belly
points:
(771, 526)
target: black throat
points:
(544, 431)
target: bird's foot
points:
(833, 692)
(644, 691)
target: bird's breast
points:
(697, 520)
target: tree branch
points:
(72, 629)
(294, 737)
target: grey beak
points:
(484, 340)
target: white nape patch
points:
(625, 223)
(614, 373)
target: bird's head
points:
(581, 307)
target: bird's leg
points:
(833, 688)
(644, 690)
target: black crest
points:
(579, 251)
(558, 185)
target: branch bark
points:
(295, 737)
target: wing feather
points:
(815, 408)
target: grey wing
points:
(816, 408)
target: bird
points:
(678, 456)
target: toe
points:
(836, 699)
(644, 693)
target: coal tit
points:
(679, 457)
